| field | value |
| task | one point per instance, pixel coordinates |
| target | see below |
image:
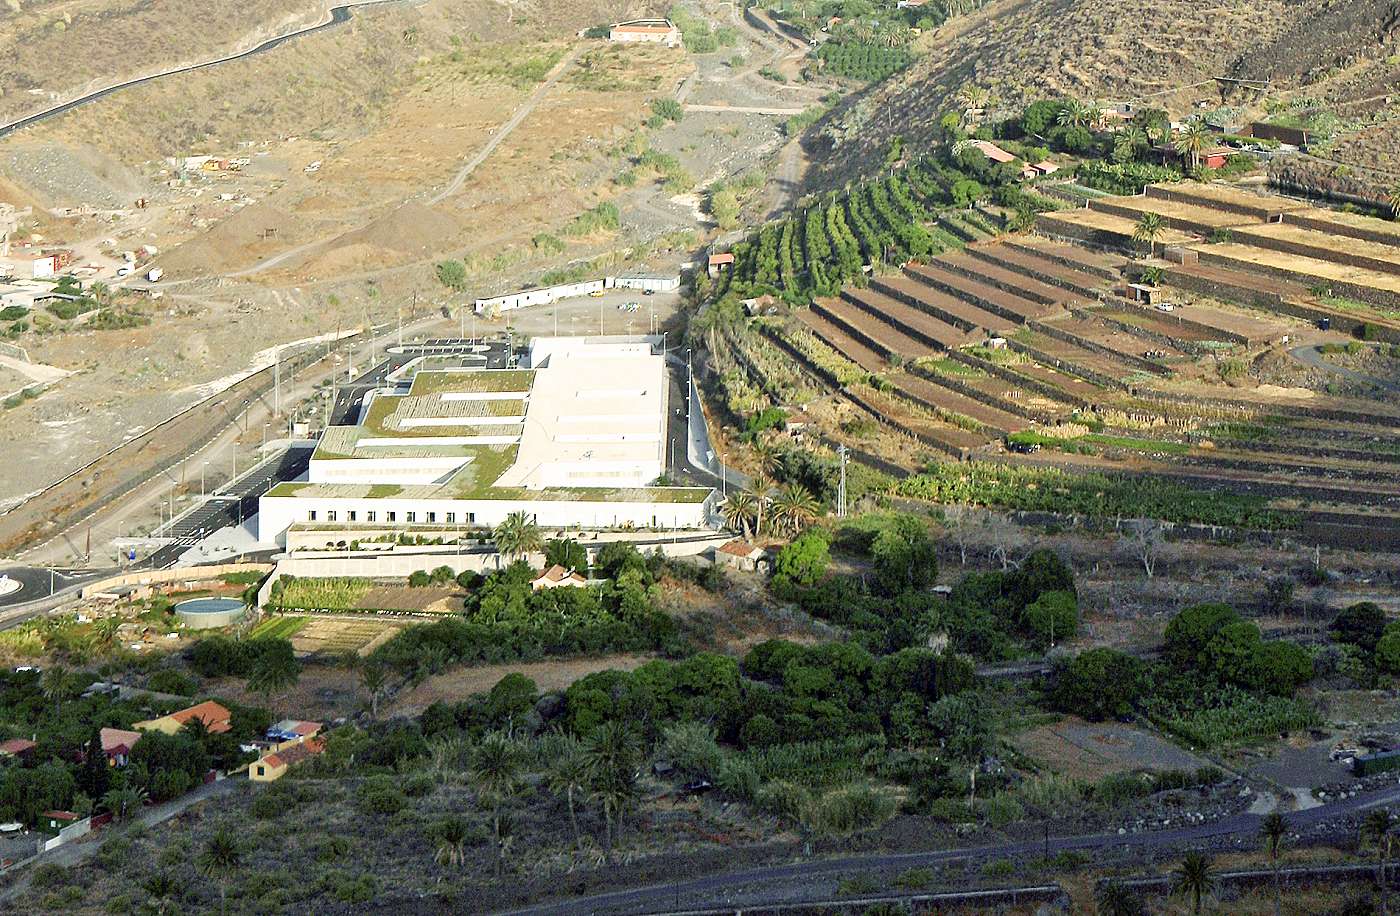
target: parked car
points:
(596, 294)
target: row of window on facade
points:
(372, 516)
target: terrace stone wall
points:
(1273, 302)
(1318, 252)
(1305, 221)
(1350, 290)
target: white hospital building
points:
(575, 441)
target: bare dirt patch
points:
(461, 683)
(1088, 750)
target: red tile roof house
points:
(719, 262)
(117, 744)
(740, 554)
(215, 718)
(991, 151)
(558, 577)
(17, 747)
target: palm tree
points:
(273, 673)
(613, 754)
(1192, 140)
(222, 856)
(794, 508)
(1375, 827)
(451, 835)
(163, 890)
(55, 686)
(122, 802)
(1272, 831)
(760, 489)
(1114, 899)
(375, 677)
(568, 776)
(1393, 200)
(517, 535)
(973, 98)
(1194, 878)
(1075, 113)
(1149, 227)
(496, 774)
(739, 511)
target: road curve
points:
(799, 881)
(1312, 356)
(337, 16)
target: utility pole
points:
(277, 382)
(841, 489)
(401, 324)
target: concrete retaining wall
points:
(165, 576)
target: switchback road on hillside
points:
(337, 15)
(815, 880)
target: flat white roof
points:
(597, 414)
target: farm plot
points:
(1312, 271)
(933, 431)
(940, 398)
(1157, 323)
(1096, 332)
(338, 635)
(1008, 396)
(424, 600)
(1175, 214)
(278, 627)
(941, 305)
(982, 295)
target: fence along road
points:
(337, 16)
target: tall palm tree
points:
(1272, 831)
(517, 535)
(274, 673)
(794, 508)
(760, 488)
(450, 835)
(1375, 827)
(568, 776)
(1192, 140)
(1194, 878)
(1393, 200)
(55, 686)
(739, 511)
(1114, 899)
(221, 858)
(122, 802)
(1149, 227)
(496, 775)
(613, 752)
(375, 677)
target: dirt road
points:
(505, 129)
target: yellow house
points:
(272, 767)
(215, 718)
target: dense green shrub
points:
(862, 61)
(1099, 684)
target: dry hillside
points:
(58, 48)
(1165, 51)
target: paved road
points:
(229, 505)
(811, 880)
(338, 15)
(1312, 356)
(505, 129)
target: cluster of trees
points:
(68, 769)
(1213, 661)
(861, 60)
(505, 619)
